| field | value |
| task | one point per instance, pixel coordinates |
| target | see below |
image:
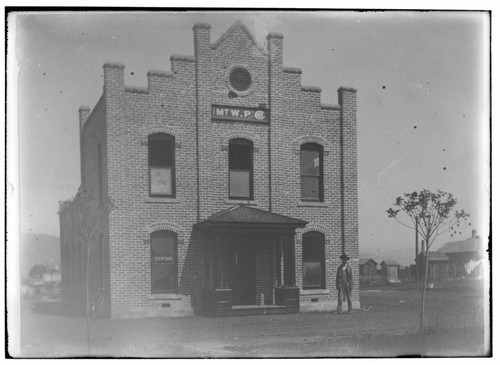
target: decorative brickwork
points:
(312, 227)
(167, 226)
(298, 142)
(163, 129)
(255, 138)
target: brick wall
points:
(167, 105)
(297, 116)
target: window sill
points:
(164, 296)
(240, 201)
(313, 204)
(314, 291)
(162, 200)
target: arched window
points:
(161, 149)
(313, 260)
(163, 262)
(240, 169)
(311, 172)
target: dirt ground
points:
(385, 326)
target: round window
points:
(240, 79)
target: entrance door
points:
(242, 272)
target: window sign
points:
(239, 184)
(163, 259)
(161, 180)
(316, 163)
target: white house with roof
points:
(466, 255)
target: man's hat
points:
(344, 257)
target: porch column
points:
(217, 265)
(225, 278)
(289, 260)
(279, 260)
(206, 256)
(291, 244)
(214, 262)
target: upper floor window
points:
(240, 169)
(311, 172)
(313, 260)
(163, 262)
(161, 149)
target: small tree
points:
(431, 214)
(90, 213)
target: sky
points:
(422, 81)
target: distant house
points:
(52, 276)
(404, 273)
(465, 255)
(390, 271)
(367, 267)
(438, 266)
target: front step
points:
(248, 310)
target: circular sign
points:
(259, 114)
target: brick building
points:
(235, 187)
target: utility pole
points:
(416, 249)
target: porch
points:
(249, 263)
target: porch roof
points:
(242, 217)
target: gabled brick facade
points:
(180, 103)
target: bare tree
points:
(90, 211)
(432, 215)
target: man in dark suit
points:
(344, 284)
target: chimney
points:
(473, 233)
(83, 113)
(275, 48)
(113, 76)
(201, 38)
